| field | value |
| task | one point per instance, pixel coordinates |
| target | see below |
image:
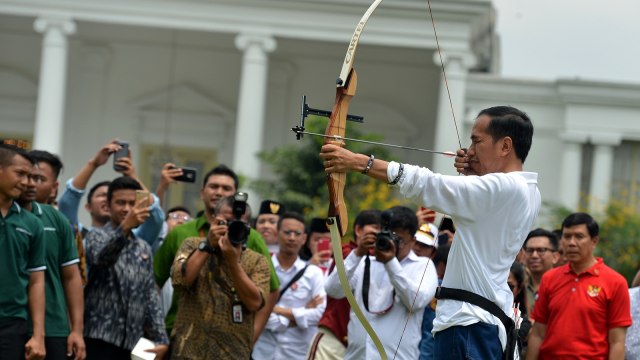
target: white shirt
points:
(404, 277)
(279, 340)
(493, 214)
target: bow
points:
(338, 220)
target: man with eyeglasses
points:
(583, 308)
(390, 287)
(541, 254)
(294, 320)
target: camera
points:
(386, 236)
(238, 230)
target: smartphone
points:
(188, 175)
(141, 194)
(447, 224)
(324, 244)
(123, 152)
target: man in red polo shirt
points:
(583, 309)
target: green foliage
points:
(619, 235)
(301, 181)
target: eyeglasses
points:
(294, 232)
(176, 216)
(540, 251)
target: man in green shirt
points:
(22, 263)
(218, 183)
(63, 284)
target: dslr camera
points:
(386, 236)
(238, 230)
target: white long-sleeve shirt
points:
(493, 214)
(404, 277)
(279, 340)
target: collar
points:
(594, 270)
(201, 222)
(411, 257)
(36, 208)
(297, 265)
(14, 207)
(530, 177)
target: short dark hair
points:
(49, 158)
(221, 170)
(122, 183)
(553, 239)
(95, 187)
(367, 217)
(8, 152)
(511, 122)
(579, 219)
(403, 218)
(291, 215)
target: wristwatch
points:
(204, 246)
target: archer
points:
(494, 207)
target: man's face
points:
(217, 187)
(14, 178)
(98, 206)
(267, 226)
(577, 244)
(47, 183)
(483, 152)
(405, 244)
(291, 236)
(29, 193)
(424, 250)
(539, 255)
(122, 201)
(177, 217)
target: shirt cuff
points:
(392, 171)
(156, 202)
(393, 266)
(73, 189)
(301, 319)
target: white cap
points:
(427, 234)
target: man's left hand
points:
(75, 346)
(337, 159)
(385, 256)
(230, 253)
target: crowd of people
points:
(225, 284)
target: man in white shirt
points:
(389, 287)
(494, 207)
(294, 320)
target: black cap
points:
(271, 207)
(318, 225)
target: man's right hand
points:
(34, 349)
(365, 244)
(101, 157)
(138, 214)
(218, 228)
(462, 162)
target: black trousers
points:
(13, 337)
(56, 348)
(102, 350)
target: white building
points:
(206, 82)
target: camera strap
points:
(295, 278)
(366, 283)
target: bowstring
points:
(455, 123)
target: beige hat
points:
(428, 234)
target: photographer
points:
(222, 284)
(388, 286)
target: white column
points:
(601, 170)
(456, 66)
(251, 102)
(52, 85)
(569, 194)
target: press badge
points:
(236, 313)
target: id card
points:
(236, 312)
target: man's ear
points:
(507, 145)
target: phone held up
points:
(123, 152)
(142, 194)
(188, 175)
